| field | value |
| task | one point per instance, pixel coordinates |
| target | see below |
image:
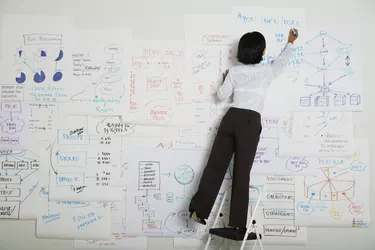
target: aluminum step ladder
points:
(251, 227)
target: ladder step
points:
(232, 234)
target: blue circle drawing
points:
(21, 78)
(305, 208)
(43, 53)
(184, 174)
(57, 76)
(60, 56)
(39, 77)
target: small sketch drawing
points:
(182, 217)
(108, 88)
(29, 65)
(11, 126)
(333, 184)
(327, 91)
(17, 169)
(184, 174)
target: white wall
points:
(163, 19)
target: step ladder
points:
(252, 228)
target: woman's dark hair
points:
(251, 47)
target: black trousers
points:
(238, 134)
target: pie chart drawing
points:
(40, 56)
(184, 174)
(60, 55)
(20, 56)
(21, 78)
(39, 77)
(332, 184)
(57, 76)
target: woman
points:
(240, 128)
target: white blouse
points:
(249, 83)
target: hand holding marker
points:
(294, 32)
(293, 35)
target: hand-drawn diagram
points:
(315, 127)
(277, 213)
(12, 123)
(337, 193)
(336, 184)
(40, 63)
(275, 25)
(332, 74)
(162, 191)
(317, 134)
(81, 163)
(38, 75)
(119, 238)
(158, 93)
(268, 161)
(109, 126)
(102, 89)
(71, 219)
(19, 180)
(25, 124)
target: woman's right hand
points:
(292, 37)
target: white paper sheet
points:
(68, 219)
(269, 161)
(19, 181)
(159, 189)
(210, 49)
(73, 220)
(159, 94)
(274, 24)
(85, 168)
(100, 65)
(338, 195)
(119, 239)
(25, 125)
(332, 67)
(36, 54)
(317, 134)
(276, 215)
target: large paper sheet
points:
(100, 65)
(36, 55)
(276, 215)
(274, 24)
(159, 189)
(332, 67)
(210, 49)
(159, 94)
(268, 161)
(19, 181)
(26, 124)
(317, 134)
(119, 239)
(84, 167)
(69, 219)
(338, 194)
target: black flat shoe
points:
(197, 218)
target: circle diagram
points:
(21, 78)
(332, 184)
(184, 174)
